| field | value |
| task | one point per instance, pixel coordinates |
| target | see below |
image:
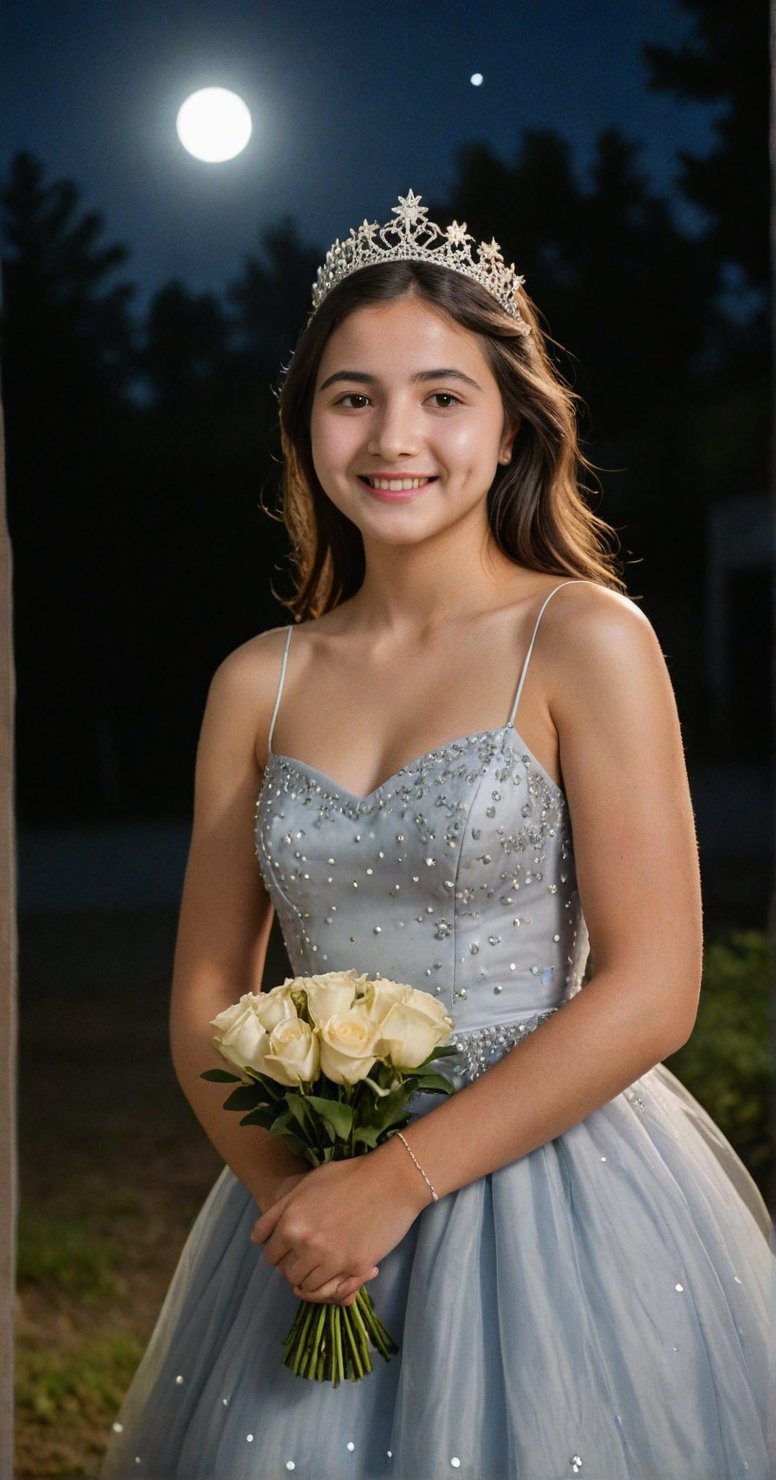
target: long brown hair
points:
(537, 509)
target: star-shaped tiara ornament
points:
(411, 237)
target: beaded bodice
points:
(455, 875)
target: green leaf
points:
(383, 1111)
(220, 1076)
(297, 1111)
(335, 1115)
(264, 1116)
(272, 1089)
(366, 1135)
(445, 1052)
(433, 1084)
(310, 1154)
(282, 1123)
(245, 1097)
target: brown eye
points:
(444, 400)
(354, 400)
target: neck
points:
(414, 589)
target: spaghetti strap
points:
(547, 599)
(281, 681)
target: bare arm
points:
(611, 702)
(225, 913)
(637, 868)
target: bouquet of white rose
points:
(330, 1063)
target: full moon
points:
(214, 125)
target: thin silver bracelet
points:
(406, 1144)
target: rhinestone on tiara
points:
(413, 238)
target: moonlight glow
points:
(476, 79)
(214, 125)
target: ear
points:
(511, 430)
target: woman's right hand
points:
(272, 1192)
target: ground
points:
(113, 1168)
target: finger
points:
(277, 1248)
(324, 1295)
(334, 1288)
(326, 1299)
(353, 1283)
(264, 1226)
(301, 1273)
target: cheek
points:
(331, 447)
(475, 444)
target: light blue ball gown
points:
(600, 1308)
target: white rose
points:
(348, 1046)
(240, 1032)
(275, 1007)
(330, 993)
(412, 1030)
(381, 995)
(432, 1008)
(290, 1054)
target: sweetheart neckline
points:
(408, 765)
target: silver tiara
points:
(412, 238)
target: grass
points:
(91, 1277)
(99, 1233)
(64, 1255)
(63, 1395)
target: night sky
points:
(352, 103)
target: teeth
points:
(397, 485)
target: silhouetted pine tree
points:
(68, 359)
(628, 294)
(726, 62)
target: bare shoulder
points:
(252, 669)
(600, 659)
(587, 627)
(242, 693)
(584, 610)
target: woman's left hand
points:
(327, 1235)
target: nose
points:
(394, 431)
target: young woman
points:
(467, 756)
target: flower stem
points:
(328, 1343)
(340, 1365)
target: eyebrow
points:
(361, 378)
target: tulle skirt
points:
(601, 1308)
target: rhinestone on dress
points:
(481, 1047)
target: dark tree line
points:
(141, 446)
(139, 450)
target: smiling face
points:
(407, 425)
